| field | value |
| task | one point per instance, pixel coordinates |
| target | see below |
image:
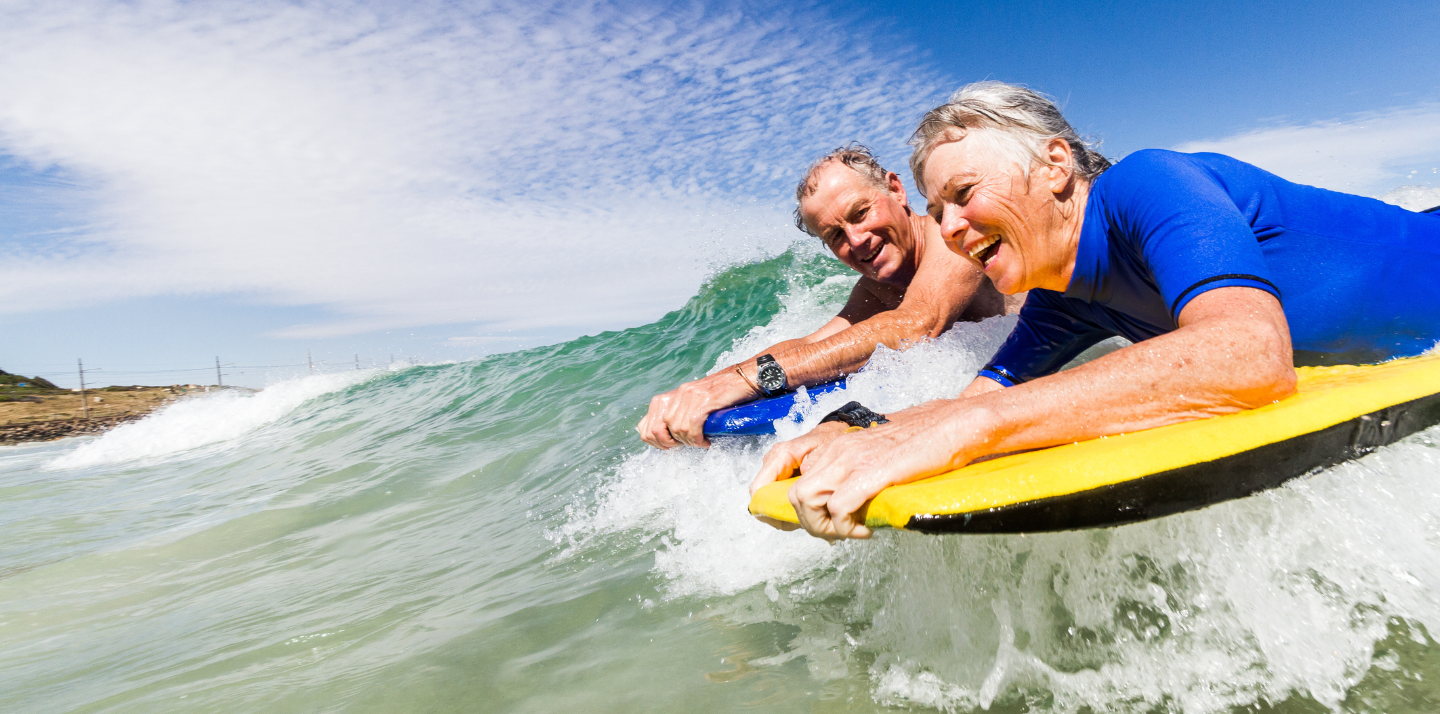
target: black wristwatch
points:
(855, 414)
(769, 376)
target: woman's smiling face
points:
(989, 213)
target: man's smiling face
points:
(866, 227)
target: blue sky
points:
(1148, 74)
(441, 180)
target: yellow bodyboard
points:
(1338, 413)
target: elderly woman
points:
(1222, 274)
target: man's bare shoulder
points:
(887, 296)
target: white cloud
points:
(521, 165)
(1366, 154)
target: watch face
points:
(772, 378)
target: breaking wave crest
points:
(202, 420)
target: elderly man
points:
(911, 287)
(1223, 275)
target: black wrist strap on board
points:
(855, 414)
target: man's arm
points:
(945, 288)
(677, 417)
(939, 294)
(1231, 352)
(931, 305)
(862, 305)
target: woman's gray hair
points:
(855, 155)
(1024, 120)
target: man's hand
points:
(677, 417)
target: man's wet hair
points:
(855, 155)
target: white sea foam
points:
(1286, 593)
(1255, 600)
(202, 420)
(696, 502)
(897, 379)
(1415, 198)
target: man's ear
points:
(897, 187)
(1061, 169)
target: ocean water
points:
(490, 536)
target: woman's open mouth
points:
(985, 251)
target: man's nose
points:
(856, 236)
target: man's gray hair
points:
(855, 155)
(1023, 120)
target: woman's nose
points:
(952, 224)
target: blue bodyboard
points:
(758, 417)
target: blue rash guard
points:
(1359, 279)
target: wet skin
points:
(910, 289)
(1231, 352)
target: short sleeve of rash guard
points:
(1189, 231)
(1046, 338)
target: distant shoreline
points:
(39, 415)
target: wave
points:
(468, 530)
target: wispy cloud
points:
(1368, 154)
(519, 164)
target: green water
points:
(490, 536)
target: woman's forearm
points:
(1233, 354)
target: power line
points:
(179, 369)
(310, 364)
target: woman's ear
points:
(1061, 164)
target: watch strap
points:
(856, 415)
(765, 363)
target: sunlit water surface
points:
(491, 536)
